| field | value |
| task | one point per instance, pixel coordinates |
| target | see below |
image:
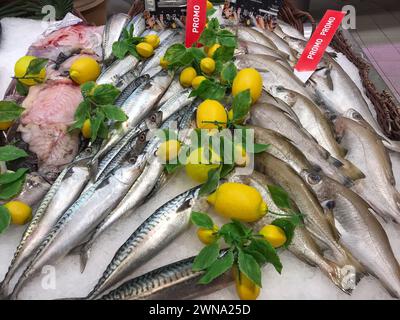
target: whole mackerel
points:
(162, 227)
(360, 232)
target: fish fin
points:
(84, 255)
(329, 78)
(351, 171)
(76, 250)
(331, 219)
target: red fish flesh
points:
(50, 110)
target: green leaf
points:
(95, 123)
(176, 55)
(288, 227)
(114, 113)
(249, 266)
(218, 268)
(209, 90)
(202, 220)
(206, 257)
(224, 54)
(13, 176)
(227, 39)
(103, 131)
(172, 167)
(10, 153)
(213, 24)
(268, 251)
(241, 105)
(211, 12)
(87, 88)
(260, 148)
(35, 66)
(229, 72)
(105, 94)
(82, 113)
(227, 169)
(232, 233)
(5, 218)
(280, 197)
(208, 37)
(212, 183)
(10, 190)
(120, 49)
(22, 89)
(9, 111)
(197, 53)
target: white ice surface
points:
(297, 281)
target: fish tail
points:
(84, 255)
(351, 171)
(345, 278)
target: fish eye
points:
(357, 116)
(313, 178)
(88, 149)
(132, 159)
(142, 137)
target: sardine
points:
(270, 117)
(81, 218)
(162, 227)
(112, 33)
(367, 151)
(175, 281)
(360, 232)
(315, 219)
(303, 246)
(316, 123)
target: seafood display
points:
(99, 121)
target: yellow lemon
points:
(144, 49)
(245, 288)
(187, 76)
(197, 81)
(209, 5)
(21, 67)
(238, 201)
(248, 79)
(240, 156)
(207, 65)
(153, 40)
(169, 150)
(213, 49)
(207, 236)
(87, 129)
(5, 125)
(274, 235)
(20, 212)
(198, 166)
(84, 69)
(164, 63)
(211, 115)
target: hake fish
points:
(270, 117)
(367, 151)
(316, 123)
(315, 219)
(252, 35)
(81, 218)
(360, 232)
(247, 47)
(162, 227)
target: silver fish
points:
(367, 151)
(136, 107)
(162, 227)
(146, 184)
(112, 33)
(115, 73)
(316, 123)
(248, 34)
(284, 29)
(270, 117)
(175, 281)
(81, 218)
(360, 232)
(247, 47)
(303, 246)
(315, 220)
(266, 98)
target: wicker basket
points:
(388, 114)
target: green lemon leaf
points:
(9, 111)
(206, 257)
(280, 197)
(35, 66)
(227, 169)
(13, 176)
(103, 131)
(268, 251)
(172, 167)
(211, 12)
(232, 233)
(81, 114)
(202, 220)
(105, 94)
(197, 53)
(209, 90)
(260, 148)
(250, 267)
(10, 190)
(218, 268)
(227, 39)
(229, 72)
(208, 37)
(96, 122)
(87, 88)
(213, 24)
(10, 153)
(288, 227)
(241, 105)
(114, 113)
(224, 54)
(120, 49)
(5, 219)
(22, 89)
(212, 183)
(176, 55)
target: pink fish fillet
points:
(69, 40)
(50, 110)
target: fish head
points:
(288, 96)
(296, 44)
(354, 115)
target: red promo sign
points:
(320, 40)
(196, 17)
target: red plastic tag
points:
(196, 17)
(320, 40)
